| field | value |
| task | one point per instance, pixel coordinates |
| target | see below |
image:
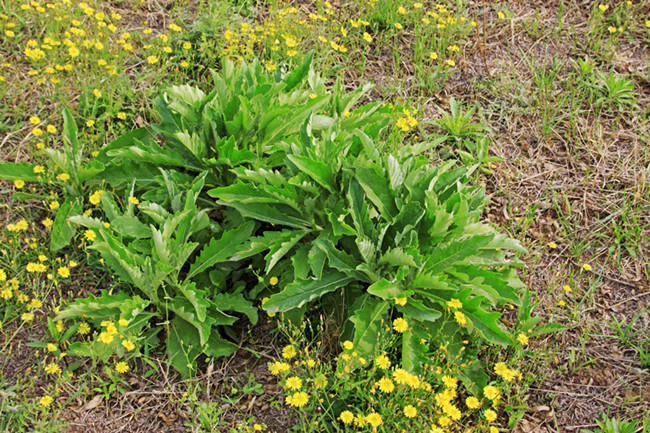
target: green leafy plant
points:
(381, 231)
(613, 425)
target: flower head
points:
(299, 399)
(294, 383)
(400, 325)
(346, 416)
(386, 385)
(289, 352)
(410, 411)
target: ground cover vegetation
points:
(212, 222)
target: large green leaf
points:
(298, 293)
(62, 229)
(183, 346)
(485, 322)
(386, 289)
(299, 74)
(23, 171)
(282, 246)
(413, 349)
(236, 302)
(378, 190)
(367, 322)
(458, 250)
(105, 306)
(318, 171)
(131, 226)
(221, 250)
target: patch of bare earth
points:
(568, 185)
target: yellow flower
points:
(586, 267)
(433, 56)
(491, 392)
(454, 303)
(493, 429)
(298, 399)
(346, 416)
(52, 368)
(490, 415)
(501, 15)
(450, 62)
(410, 411)
(386, 385)
(121, 115)
(612, 29)
(289, 352)
(3, 275)
(39, 169)
(121, 367)
(19, 183)
(400, 325)
(90, 123)
(27, 317)
(367, 37)
(382, 362)
(257, 427)
(54, 204)
(37, 132)
(63, 272)
(128, 345)
(603, 7)
(401, 376)
(97, 93)
(273, 281)
(47, 222)
(450, 382)
(522, 338)
(51, 129)
(95, 197)
(184, 64)
(90, 235)
(374, 419)
(472, 402)
(123, 322)
(400, 301)
(348, 345)
(105, 338)
(51, 347)
(134, 200)
(398, 26)
(152, 59)
(63, 177)
(45, 401)
(34, 120)
(293, 382)
(552, 245)
(83, 329)
(460, 318)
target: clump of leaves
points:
(307, 195)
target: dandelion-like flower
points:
(121, 367)
(299, 399)
(294, 383)
(289, 352)
(410, 411)
(346, 416)
(386, 385)
(400, 325)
